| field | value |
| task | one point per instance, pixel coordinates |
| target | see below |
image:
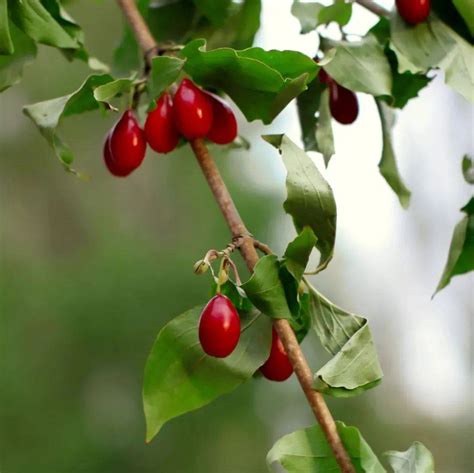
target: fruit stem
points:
(249, 254)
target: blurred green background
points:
(90, 271)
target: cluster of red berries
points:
(192, 113)
(414, 11)
(342, 102)
(219, 334)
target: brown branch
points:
(249, 253)
(374, 7)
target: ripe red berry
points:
(127, 145)
(224, 124)
(219, 327)
(160, 129)
(343, 104)
(278, 366)
(414, 11)
(324, 77)
(112, 166)
(192, 110)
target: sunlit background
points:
(91, 271)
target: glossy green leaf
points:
(417, 459)
(48, 114)
(11, 66)
(466, 10)
(180, 377)
(310, 199)
(361, 66)
(38, 23)
(298, 252)
(433, 44)
(265, 289)
(307, 451)
(461, 251)
(260, 82)
(6, 43)
(388, 164)
(354, 367)
(106, 92)
(468, 169)
(164, 71)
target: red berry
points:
(343, 104)
(112, 166)
(224, 124)
(278, 366)
(160, 129)
(127, 144)
(192, 110)
(219, 327)
(324, 77)
(414, 11)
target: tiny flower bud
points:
(223, 277)
(201, 266)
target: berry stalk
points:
(249, 253)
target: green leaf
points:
(339, 12)
(307, 451)
(265, 289)
(405, 85)
(180, 377)
(461, 251)
(38, 23)
(361, 66)
(298, 252)
(164, 71)
(388, 164)
(246, 23)
(215, 10)
(48, 114)
(417, 459)
(433, 44)
(308, 104)
(6, 43)
(106, 92)
(354, 367)
(324, 134)
(466, 10)
(313, 14)
(260, 82)
(310, 199)
(11, 66)
(307, 14)
(172, 20)
(468, 169)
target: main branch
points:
(374, 7)
(247, 249)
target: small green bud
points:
(201, 266)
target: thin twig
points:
(249, 253)
(374, 7)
